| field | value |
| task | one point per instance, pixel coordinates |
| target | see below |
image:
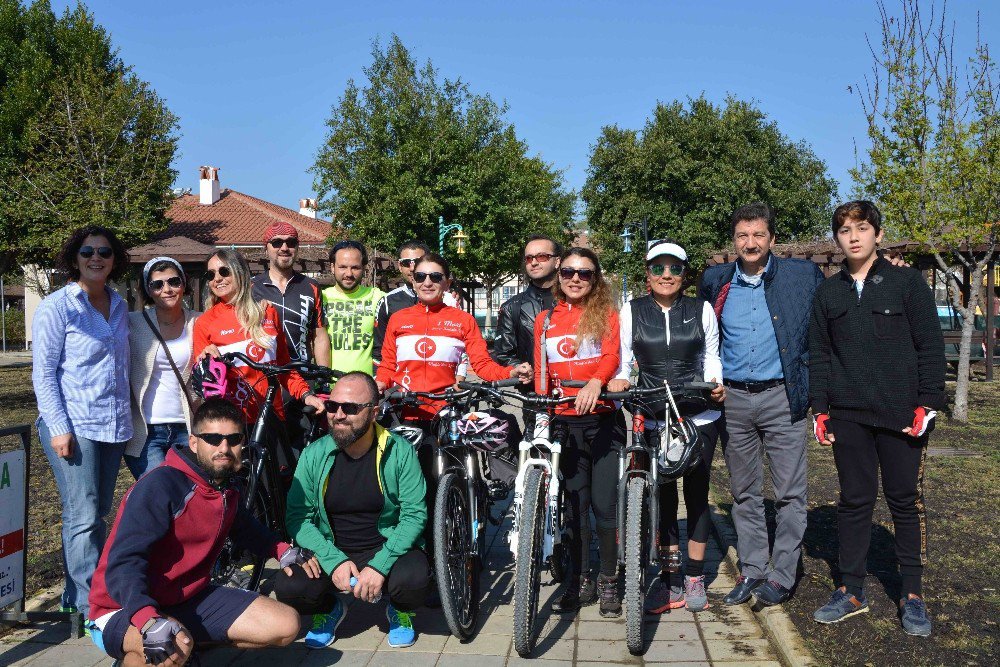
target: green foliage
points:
(82, 139)
(689, 168)
(409, 147)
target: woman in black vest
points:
(675, 338)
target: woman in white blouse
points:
(160, 344)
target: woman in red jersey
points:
(581, 342)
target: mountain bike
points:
(463, 500)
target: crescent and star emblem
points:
(566, 348)
(255, 352)
(425, 347)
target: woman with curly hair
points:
(80, 372)
(578, 339)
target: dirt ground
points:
(963, 572)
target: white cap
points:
(659, 248)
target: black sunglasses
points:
(349, 409)
(659, 269)
(157, 285)
(104, 252)
(435, 277)
(291, 243)
(215, 439)
(567, 272)
(412, 261)
(224, 272)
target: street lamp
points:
(460, 238)
(627, 242)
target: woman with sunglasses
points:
(577, 339)
(236, 322)
(80, 373)
(160, 339)
(675, 338)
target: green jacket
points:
(399, 478)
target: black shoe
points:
(741, 593)
(576, 595)
(770, 594)
(611, 604)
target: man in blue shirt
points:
(764, 304)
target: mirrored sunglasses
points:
(660, 269)
(408, 262)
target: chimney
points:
(307, 207)
(209, 185)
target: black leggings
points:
(699, 523)
(589, 465)
(406, 585)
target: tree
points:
(934, 163)
(689, 168)
(408, 148)
(82, 139)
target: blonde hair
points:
(249, 312)
(597, 305)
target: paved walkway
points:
(17, 359)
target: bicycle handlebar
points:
(636, 392)
(305, 369)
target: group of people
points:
(863, 349)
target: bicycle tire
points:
(241, 568)
(636, 538)
(456, 567)
(528, 565)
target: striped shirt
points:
(80, 366)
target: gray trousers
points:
(753, 422)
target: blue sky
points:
(253, 82)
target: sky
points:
(253, 82)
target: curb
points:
(775, 621)
(41, 601)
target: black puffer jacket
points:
(515, 341)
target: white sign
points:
(11, 527)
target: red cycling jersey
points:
(219, 326)
(422, 347)
(567, 360)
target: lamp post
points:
(460, 238)
(627, 241)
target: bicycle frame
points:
(638, 460)
(448, 457)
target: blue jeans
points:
(86, 482)
(160, 438)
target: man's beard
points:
(351, 436)
(343, 287)
(283, 262)
(220, 476)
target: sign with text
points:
(11, 527)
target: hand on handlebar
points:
(718, 394)
(315, 402)
(586, 400)
(381, 386)
(523, 373)
(209, 351)
(618, 385)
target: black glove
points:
(158, 640)
(292, 556)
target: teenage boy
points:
(876, 378)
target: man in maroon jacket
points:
(151, 599)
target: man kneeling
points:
(357, 502)
(150, 600)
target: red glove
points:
(819, 428)
(922, 420)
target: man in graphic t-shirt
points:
(349, 308)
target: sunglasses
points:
(104, 252)
(409, 262)
(157, 285)
(224, 272)
(216, 439)
(291, 243)
(435, 277)
(567, 273)
(660, 269)
(350, 409)
(540, 257)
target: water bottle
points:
(354, 582)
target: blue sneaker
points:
(841, 605)
(401, 632)
(324, 629)
(914, 616)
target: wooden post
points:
(990, 315)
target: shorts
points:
(207, 616)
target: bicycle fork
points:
(628, 468)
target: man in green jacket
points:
(358, 503)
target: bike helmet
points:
(680, 450)
(483, 431)
(413, 434)
(208, 378)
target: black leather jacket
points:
(515, 340)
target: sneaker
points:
(913, 614)
(660, 597)
(841, 605)
(695, 597)
(324, 628)
(611, 604)
(576, 595)
(401, 632)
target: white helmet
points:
(483, 431)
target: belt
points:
(754, 387)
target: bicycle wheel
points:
(636, 539)
(241, 568)
(456, 567)
(527, 567)
(558, 562)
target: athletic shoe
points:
(913, 614)
(578, 594)
(611, 604)
(660, 597)
(401, 632)
(841, 605)
(324, 628)
(695, 597)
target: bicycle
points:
(462, 502)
